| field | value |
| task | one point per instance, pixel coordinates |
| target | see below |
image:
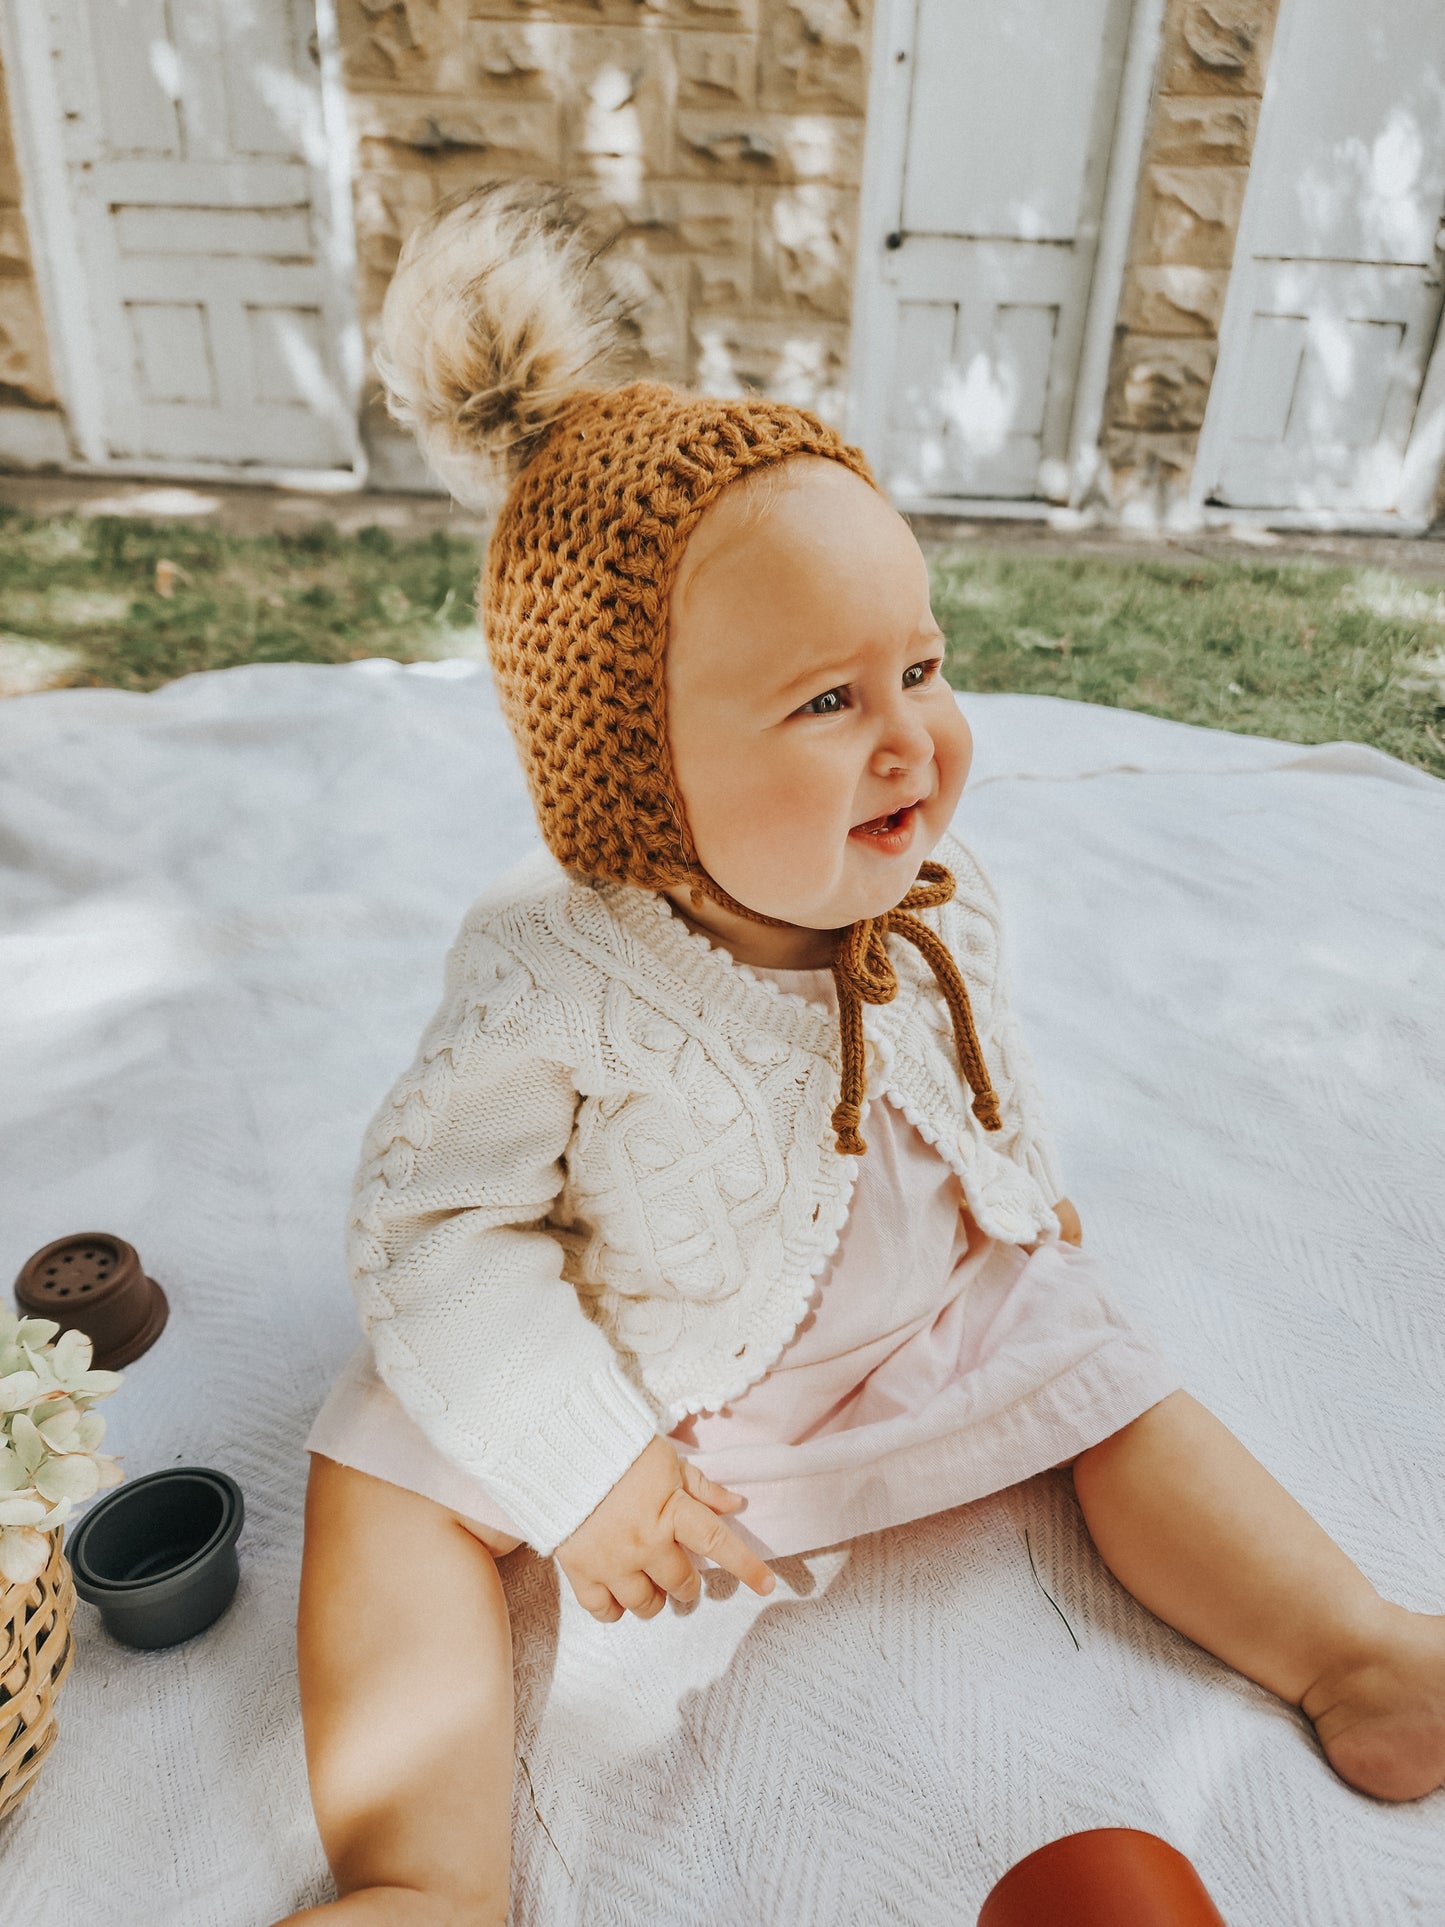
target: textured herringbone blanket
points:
(225, 907)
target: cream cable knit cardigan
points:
(599, 1197)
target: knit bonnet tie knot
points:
(864, 974)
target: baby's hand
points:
(630, 1551)
(1070, 1230)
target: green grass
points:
(88, 595)
(1289, 649)
(1293, 650)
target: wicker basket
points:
(35, 1654)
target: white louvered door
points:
(196, 163)
(1336, 295)
(996, 191)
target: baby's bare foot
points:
(1380, 1715)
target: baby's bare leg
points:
(405, 1662)
(1195, 1527)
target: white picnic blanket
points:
(225, 907)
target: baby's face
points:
(806, 697)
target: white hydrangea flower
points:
(49, 1460)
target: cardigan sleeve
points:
(459, 1288)
(1026, 1135)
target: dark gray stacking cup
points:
(157, 1554)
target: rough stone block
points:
(9, 172)
(597, 10)
(1208, 130)
(1162, 383)
(720, 282)
(707, 225)
(737, 16)
(33, 438)
(1217, 47)
(804, 362)
(24, 361)
(813, 56)
(523, 60)
(9, 178)
(458, 140)
(715, 69)
(1190, 215)
(741, 16)
(1147, 476)
(14, 247)
(657, 331)
(692, 217)
(717, 145)
(805, 241)
(419, 46)
(387, 206)
(1173, 300)
(1149, 455)
(616, 110)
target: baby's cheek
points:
(810, 802)
(953, 748)
(763, 834)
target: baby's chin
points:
(811, 892)
(868, 885)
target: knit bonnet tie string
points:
(863, 972)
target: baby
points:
(625, 1260)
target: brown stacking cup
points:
(93, 1282)
(1107, 1877)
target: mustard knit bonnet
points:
(496, 314)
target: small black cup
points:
(157, 1554)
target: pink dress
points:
(934, 1365)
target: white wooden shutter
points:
(1010, 118)
(1336, 293)
(195, 155)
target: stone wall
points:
(30, 427)
(1201, 135)
(726, 135)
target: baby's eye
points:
(929, 669)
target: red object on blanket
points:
(1107, 1877)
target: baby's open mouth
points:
(889, 825)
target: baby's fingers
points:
(698, 1527)
(708, 1490)
(597, 1599)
